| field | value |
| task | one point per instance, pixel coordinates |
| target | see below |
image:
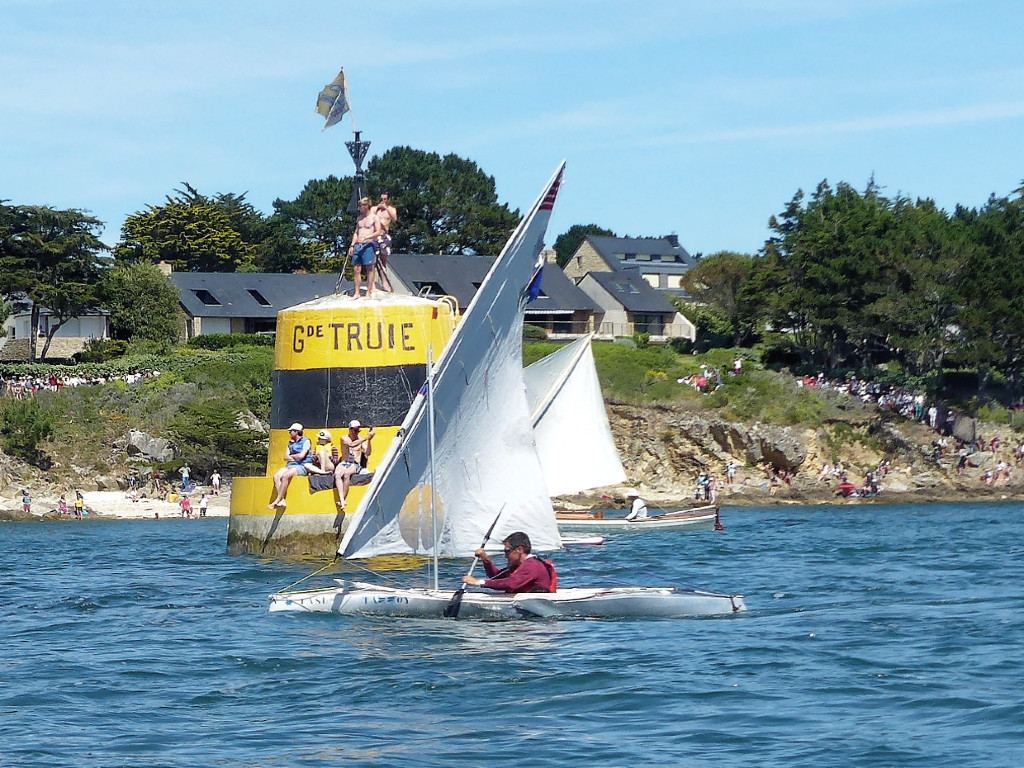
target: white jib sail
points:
(570, 423)
(485, 459)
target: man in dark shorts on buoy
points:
(387, 215)
(364, 246)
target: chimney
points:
(673, 240)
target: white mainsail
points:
(574, 439)
(485, 459)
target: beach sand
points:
(117, 504)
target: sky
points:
(688, 117)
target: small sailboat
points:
(464, 465)
(695, 519)
(576, 447)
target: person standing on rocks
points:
(26, 502)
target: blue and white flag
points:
(332, 102)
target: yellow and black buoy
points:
(336, 359)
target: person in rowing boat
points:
(638, 507)
(525, 572)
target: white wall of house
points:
(88, 327)
(213, 325)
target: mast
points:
(430, 425)
(357, 149)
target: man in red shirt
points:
(524, 573)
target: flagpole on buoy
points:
(357, 149)
(333, 103)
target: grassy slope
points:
(199, 394)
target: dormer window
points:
(206, 297)
(259, 297)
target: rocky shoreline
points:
(663, 449)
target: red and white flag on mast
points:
(332, 102)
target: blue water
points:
(876, 636)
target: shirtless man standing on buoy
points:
(363, 247)
(387, 215)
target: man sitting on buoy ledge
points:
(524, 573)
(297, 456)
(354, 451)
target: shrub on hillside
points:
(225, 340)
(208, 436)
(24, 424)
(102, 350)
(534, 333)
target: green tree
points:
(921, 268)
(142, 302)
(192, 233)
(822, 268)
(49, 259)
(991, 316)
(319, 221)
(567, 243)
(445, 204)
(717, 281)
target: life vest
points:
(553, 587)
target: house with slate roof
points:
(660, 261)
(68, 340)
(629, 305)
(631, 278)
(562, 309)
(243, 302)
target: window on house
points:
(669, 257)
(260, 298)
(652, 280)
(206, 297)
(643, 257)
(629, 257)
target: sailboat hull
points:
(573, 603)
(700, 519)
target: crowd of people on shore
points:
(906, 402)
(22, 387)
(709, 378)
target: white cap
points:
(296, 426)
(354, 424)
(632, 492)
(324, 435)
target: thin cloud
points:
(978, 113)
